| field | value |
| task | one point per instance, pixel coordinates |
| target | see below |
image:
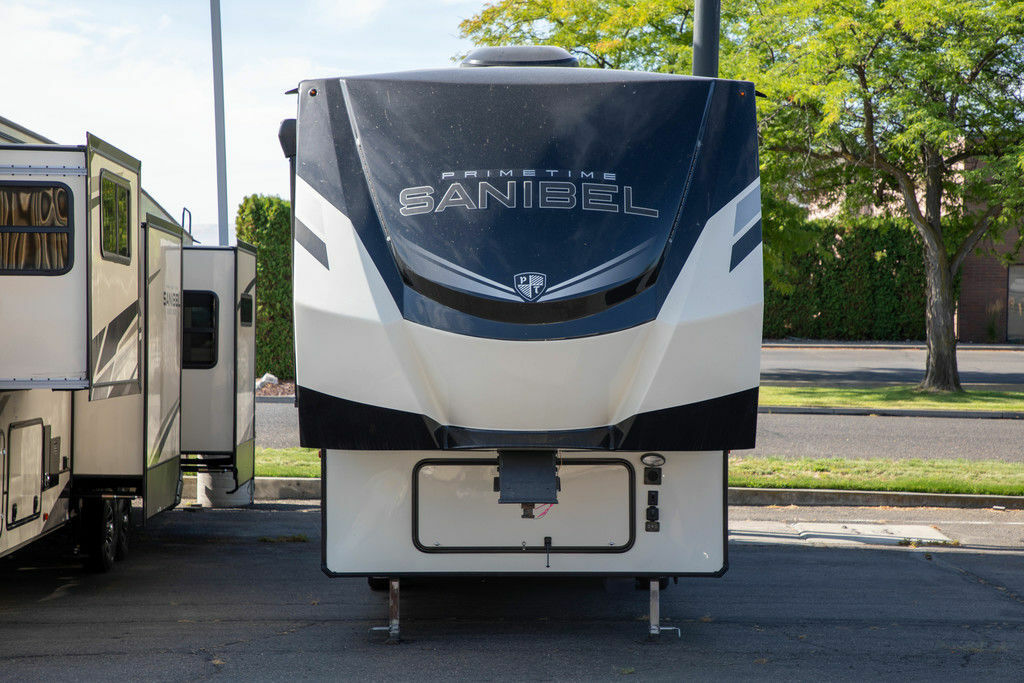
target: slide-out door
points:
(163, 364)
(245, 363)
(219, 360)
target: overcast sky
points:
(139, 74)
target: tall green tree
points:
(914, 107)
(265, 222)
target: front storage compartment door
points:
(456, 509)
(24, 472)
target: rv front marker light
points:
(652, 459)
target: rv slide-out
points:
(95, 307)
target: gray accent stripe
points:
(165, 428)
(744, 245)
(308, 240)
(747, 209)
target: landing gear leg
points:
(394, 634)
(655, 628)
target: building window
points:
(115, 210)
(199, 338)
(245, 310)
(35, 229)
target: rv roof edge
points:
(34, 136)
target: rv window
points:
(115, 242)
(199, 338)
(35, 228)
(245, 310)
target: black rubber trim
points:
(718, 424)
(493, 462)
(528, 313)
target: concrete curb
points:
(276, 399)
(271, 488)
(893, 412)
(297, 488)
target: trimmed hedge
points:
(265, 222)
(862, 280)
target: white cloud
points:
(140, 76)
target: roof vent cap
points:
(520, 55)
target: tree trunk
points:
(941, 373)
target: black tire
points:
(124, 512)
(378, 583)
(100, 532)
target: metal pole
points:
(218, 114)
(707, 20)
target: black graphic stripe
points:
(316, 247)
(744, 245)
(105, 343)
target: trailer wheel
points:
(124, 519)
(100, 532)
(378, 583)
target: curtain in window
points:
(25, 206)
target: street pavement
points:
(221, 594)
(798, 436)
(999, 368)
(896, 438)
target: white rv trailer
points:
(528, 305)
(93, 273)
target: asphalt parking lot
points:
(239, 594)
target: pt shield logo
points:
(531, 285)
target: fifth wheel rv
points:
(102, 303)
(528, 304)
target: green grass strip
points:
(890, 397)
(923, 476)
(920, 476)
(287, 462)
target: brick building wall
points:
(981, 314)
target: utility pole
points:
(218, 114)
(707, 20)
